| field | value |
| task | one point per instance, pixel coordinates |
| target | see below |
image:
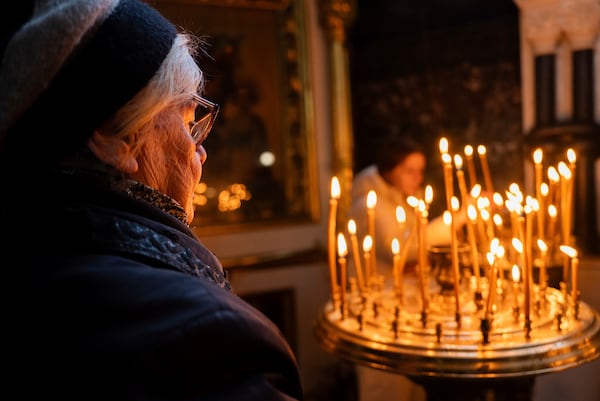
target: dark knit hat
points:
(72, 65)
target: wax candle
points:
(518, 246)
(485, 168)
(454, 248)
(553, 182)
(552, 214)
(460, 176)
(356, 255)
(401, 219)
(543, 273)
(516, 277)
(572, 254)
(333, 203)
(367, 246)
(342, 252)
(491, 283)
(565, 212)
(371, 203)
(396, 266)
(423, 252)
(448, 181)
(542, 210)
(472, 215)
(537, 160)
(470, 165)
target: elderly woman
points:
(101, 130)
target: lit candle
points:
(454, 246)
(470, 165)
(342, 252)
(527, 250)
(367, 246)
(443, 145)
(491, 283)
(537, 160)
(397, 269)
(333, 202)
(422, 226)
(448, 181)
(552, 213)
(472, 215)
(460, 175)
(371, 203)
(356, 254)
(428, 195)
(565, 212)
(544, 188)
(516, 277)
(543, 274)
(572, 253)
(401, 219)
(485, 168)
(518, 246)
(553, 180)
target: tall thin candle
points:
(371, 203)
(333, 203)
(470, 165)
(356, 255)
(485, 168)
(342, 252)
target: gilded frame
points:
(258, 73)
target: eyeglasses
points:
(207, 111)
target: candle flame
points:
(446, 158)
(447, 217)
(516, 274)
(371, 199)
(454, 203)
(537, 156)
(553, 174)
(494, 244)
(476, 191)
(517, 245)
(471, 212)
(564, 170)
(335, 188)
(571, 157)
(468, 150)
(542, 245)
(497, 197)
(544, 189)
(352, 227)
(422, 206)
(481, 150)
(490, 258)
(367, 243)
(341, 245)
(552, 211)
(400, 215)
(395, 246)
(428, 194)
(458, 162)
(500, 251)
(569, 251)
(412, 201)
(497, 220)
(443, 145)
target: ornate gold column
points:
(336, 15)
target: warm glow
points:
(371, 199)
(468, 150)
(571, 157)
(400, 215)
(569, 251)
(516, 274)
(481, 150)
(446, 158)
(497, 220)
(472, 212)
(476, 191)
(351, 227)
(494, 245)
(443, 145)
(335, 188)
(542, 245)
(553, 174)
(552, 212)
(490, 258)
(537, 156)
(395, 246)
(412, 201)
(447, 217)
(454, 204)
(422, 206)
(517, 245)
(482, 203)
(535, 205)
(428, 194)
(500, 251)
(544, 189)
(458, 162)
(497, 198)
(341, 245)
(514, 188)
(564, 170)
(367, 243)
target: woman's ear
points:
(113, 151)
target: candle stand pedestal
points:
(481, 356)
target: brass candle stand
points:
(496, 349)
